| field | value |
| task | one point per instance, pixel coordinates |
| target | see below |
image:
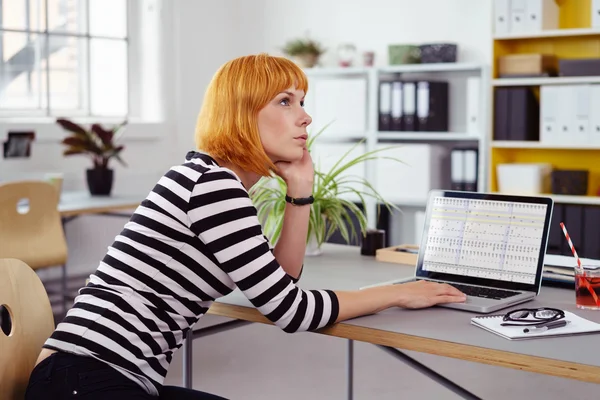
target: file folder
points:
(457, 169)
(432, 106)
(524, 120)
(396, 110)
(385, 106)
(470, 159)
(409, 112)
(473, 107)
(501, 101)
(502, 16)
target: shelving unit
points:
(374, 137)
(575, 39)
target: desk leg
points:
(187, 359)
(448, 384)
(350, 370)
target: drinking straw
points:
(579, 267)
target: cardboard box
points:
(516, 65)
(393, 255)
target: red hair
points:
(227, 126)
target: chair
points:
(33, 234)
(32, 322)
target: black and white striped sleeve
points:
(224, 218)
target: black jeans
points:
(69, 376)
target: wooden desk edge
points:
(547, 366)
(98, 210)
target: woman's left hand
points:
(298, 175)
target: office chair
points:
(31, 322)
(33, 233)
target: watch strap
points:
(300, 201)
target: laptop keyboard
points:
(488, 293)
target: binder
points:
(396, 110)
(409, 111)
(595, 13)
(594, 115)
(385, 106)
(550, 103)
(501, 101)
(541, 15)
(518, 13)
(565, 112)
(573, 218)
(457, 169)
(432, 106)
(470, 174)
(556, 241)
(523, 122)
(581, 114)
(473, 100)
(591, 226)
(501, 17)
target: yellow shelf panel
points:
(559, 158)
(575, 13)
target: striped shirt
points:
(195, 238)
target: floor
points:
(261, 362)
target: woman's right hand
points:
(421, 294)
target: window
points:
(63, 58)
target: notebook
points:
(576, 326)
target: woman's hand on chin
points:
(298, 175)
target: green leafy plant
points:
(331, 210)
(299, 47)
(96, 142)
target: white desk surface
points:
(343, 268)
(81, 202)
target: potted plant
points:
(98, 143)
(306, 52)
(331, 211)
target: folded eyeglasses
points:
(532, 316)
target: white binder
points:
(595, 14)
(501, 17)
(518, 13)
(581, 114)
(473, 101)
(595, 115)
(550, 104)
(541, 15)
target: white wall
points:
(196, 37)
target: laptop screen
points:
(485, 239)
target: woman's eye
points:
(285, 102)
(302, 103)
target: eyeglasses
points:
(532, 316)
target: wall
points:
(196, 37)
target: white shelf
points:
(335, 71)
(404, 68)
(426, 136)
(587, 200)
(431, 67)
(518, 144)
(549, 34)
(561, 80)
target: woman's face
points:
(282, 126)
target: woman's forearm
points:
(368, 301)
(291, 246)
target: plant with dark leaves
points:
(97, 142)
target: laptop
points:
(489, 246)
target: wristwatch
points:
(299, 201)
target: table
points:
(73, 204)
(343, 268)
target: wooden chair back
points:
(23, 295)
(36, 236)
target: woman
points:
(196, 237)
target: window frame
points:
(85, 111)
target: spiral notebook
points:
(577, 325)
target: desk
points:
(342, 268)
(74, 204)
